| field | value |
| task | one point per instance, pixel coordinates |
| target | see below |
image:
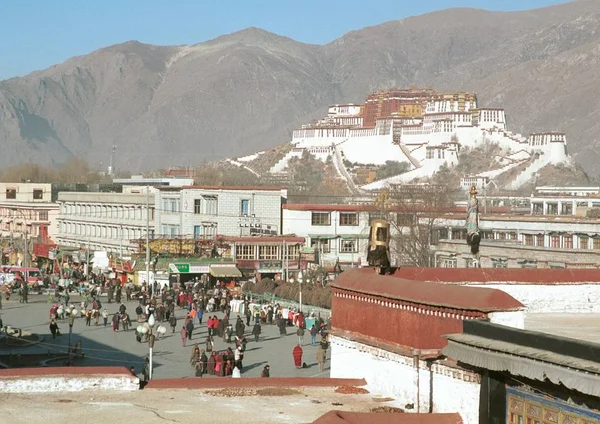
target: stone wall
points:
(434, 388)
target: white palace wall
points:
(438, 389)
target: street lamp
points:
(72, 314)
(26, 248)
(148, 330)
(300, 283)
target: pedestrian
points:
(115, 322)
(300, 334)
(146, 371)
(105, 316)
(256, 331)
(183, 336)
(88, 317)
(209, 344)
(190, 328)
(297, 353)
(54, 329)
(313, 335)
(173, 322)
(266, 371)
(248, 314)
(322, 353)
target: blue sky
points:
(36, 34)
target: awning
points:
(322, 236)
(524, 361)
(349, 236)
(225, 270)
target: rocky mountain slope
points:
(246, 91)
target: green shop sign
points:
(179, 268)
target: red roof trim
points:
(500, 275)
(363, 280)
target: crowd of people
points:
(200, 306)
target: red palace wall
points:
(397, 322)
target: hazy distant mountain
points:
(246, 91)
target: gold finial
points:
(473, 190)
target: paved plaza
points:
(104, 347)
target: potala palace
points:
(426, 129)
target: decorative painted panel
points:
(525, 407)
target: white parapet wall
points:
(552, 298)
(390, 374)
(50, 380)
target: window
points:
(596, 243)
(209, 229)
(11, 193)
(348, 245)
(568, 242)
(245, 251)
(267, 252)
(555, 241)
(448, 263)
(321, 218)
(459, 234)
(43, 216)
(38, 194)
(245, 207)
(584, 242)
(499, 263)
(211, 203)
(197, 206)
(539, 240)
(528, 240)
(405, 219)
(321, 245)
(293, 252)
(348, 219)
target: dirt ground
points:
(301, 405)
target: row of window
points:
(29, 214)
(325, 245)
(37, 194)
(268, 252)
(104, 211)
(102, 231)
(324, 218)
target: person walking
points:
(313, 335)
(266, 371)
(54, 329)
(322, 353)
(105, 316)
(300, 334)
(184, 336)
(173, 322)
(256, 331)
(190, 328)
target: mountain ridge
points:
(243, 92)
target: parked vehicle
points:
(34, 275)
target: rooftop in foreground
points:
(300, 405)
(575, 326)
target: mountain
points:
(246, 91)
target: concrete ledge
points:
(228, 382)
(66, 379)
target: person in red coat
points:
(297, 353)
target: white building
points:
(205, 212)
(26, 192)
(140, 180)
(104, 221)
(338, 233)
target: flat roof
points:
(263, 405)
(580, 326)
(500, 275)
(223, 188)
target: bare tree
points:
(414, 212)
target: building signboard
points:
(184, 268)
(270, 266)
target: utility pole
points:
(150, 288)
(121, 244)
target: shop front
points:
(270, 269)
(45, 254)
(122, 270)
(182, 272)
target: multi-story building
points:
(207, 211)
(140, 180)
(520, 241)
(108, 222)
(337, 233)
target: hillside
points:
(246, 91)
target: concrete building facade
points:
(205, 211)
(104, 221)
